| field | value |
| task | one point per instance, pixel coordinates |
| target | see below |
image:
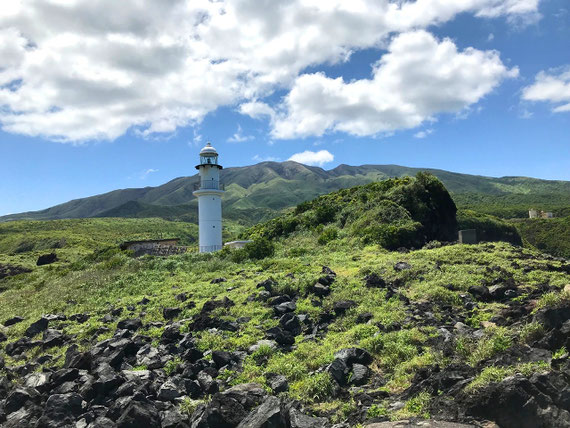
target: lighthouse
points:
(209, 192)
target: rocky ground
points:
(132, 379)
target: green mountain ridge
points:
(260, 191)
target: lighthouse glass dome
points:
(208, 155)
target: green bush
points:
(328, 235)
(259, 249)
(398, 212)
(488, 228)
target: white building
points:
(209, 192)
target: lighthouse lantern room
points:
(209, 192)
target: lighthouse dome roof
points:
(208, 150)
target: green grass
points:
(91, 276)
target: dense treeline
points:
(549, 235)
(514, 205)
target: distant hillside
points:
(259, 191)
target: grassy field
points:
(90, 280)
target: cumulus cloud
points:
(313, 158)
(552, 87)
(80, 70)
(238, 136)
(423, 134)
(418, 78)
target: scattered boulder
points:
(169, 391)
(46, 259)
(182, 297)
(277, 383)
(221, 358)
(400, 266)
(321, 290)
(218, 280)
(300, 420)
(12, 321)
(364, 318)
(37, 327)
(342, 306)
(359, 374)
(374, 280)
(267, 285)
(52, 338)
(229, 408)
(61, 410)
(281, 336)
(139, 414)
(291, 323)
(480, 292)
(518, 402)
(79, 318)
(285, 307)
(132, 324)
(269, 414)
(171, 313)
(11, 270)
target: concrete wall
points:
(468, 236)
(155, 249)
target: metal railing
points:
(210, 248)
(209, 185)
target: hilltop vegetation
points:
(329, 327)
(405, 212)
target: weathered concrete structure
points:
(468, 236)
(154, 247)
(236, 244)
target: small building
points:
(154, 247)
(236, 244)
(532, 213)
(546, 214)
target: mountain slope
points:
(258, 191)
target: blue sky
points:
(483, 89)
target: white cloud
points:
(258, 158)
(238, 136)
(423, 134)
(552, 87)
(313, 158)
(417, 79)
(78, 69)
(491, 37)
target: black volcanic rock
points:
(12, 321)
(130, 324)
(46, 259)
(37, 327)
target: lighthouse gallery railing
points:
(209, 185)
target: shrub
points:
(488, 228)
(328, 235)
(259, 249)
(377, 411)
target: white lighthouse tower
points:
(209, 192)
